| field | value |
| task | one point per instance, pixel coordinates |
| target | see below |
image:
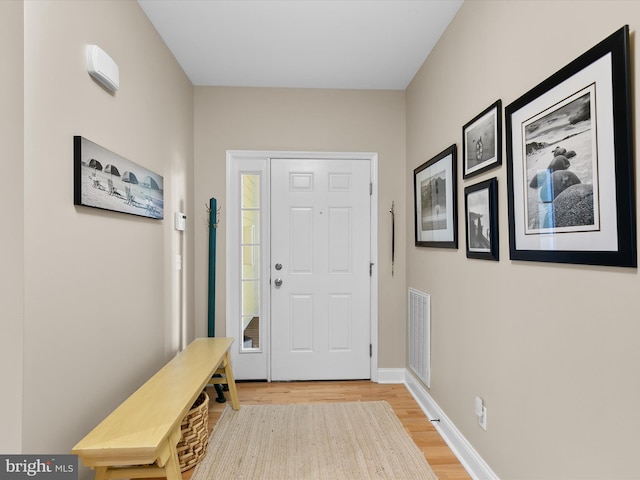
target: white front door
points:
(320, 269)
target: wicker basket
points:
(195, 436)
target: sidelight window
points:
(250, 258)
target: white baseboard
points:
(391, 375)
(469, 458)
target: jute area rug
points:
(349, 441)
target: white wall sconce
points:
(102, 67)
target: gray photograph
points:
(479, 221)
(481, 142)
(433, 193)
(561, 167)
(111, 182)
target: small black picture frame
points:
(481, 219)
(482, 141)
(570, 163)
(435, 201)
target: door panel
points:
(301, 244)
(302, 329)
(320, 298)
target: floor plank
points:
(442, 460)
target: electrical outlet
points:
(482, 419)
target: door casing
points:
(241, 161)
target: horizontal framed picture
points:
(434, 192)
(103, 179)
(569, 163)
(481, 218)
(482, 141)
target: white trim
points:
(373, 157)
(462, 449)
(391, 375)
(233, 155)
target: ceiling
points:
(352, 44)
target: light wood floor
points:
(440, 457)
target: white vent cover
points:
(102, 67)
(420, 335)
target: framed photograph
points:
(434, 193)
(570, 163)
(108, 181)
(481, 218)
(482, 141)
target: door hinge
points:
(370, 350)
(371, 264)
(370, 188)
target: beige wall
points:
(102, 298)
(304, 120)
(12, 230)
(552, 349)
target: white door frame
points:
(235, 158)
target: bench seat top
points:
(135, 431)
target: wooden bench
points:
(138, 439)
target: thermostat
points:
(180, 221)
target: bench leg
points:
(168, 456)
(228, 373)
(172, 468)
(101, 473)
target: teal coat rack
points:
(213, 225)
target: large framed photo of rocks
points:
(570, 162)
